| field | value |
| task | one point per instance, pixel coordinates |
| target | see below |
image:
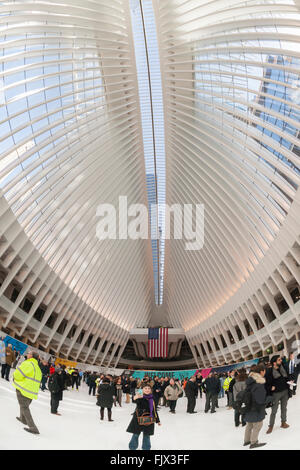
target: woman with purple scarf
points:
(144, 404)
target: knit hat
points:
(274, 358)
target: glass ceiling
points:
(152, 116)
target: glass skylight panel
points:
(152, 116)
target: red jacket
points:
(52, 370)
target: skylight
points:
(152, 116)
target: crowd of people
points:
(249, 393)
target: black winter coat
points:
(258, 391)
(56, 385)
(157, 389)
(280, 382)
(45, 369)
(133, 385)
(199, 382)
(67, 379)
(164, 385)
(212, 385)
(91, 380)
(142, 406)
(105, 395)
(126, 387)
(230, 388)
(191, 389)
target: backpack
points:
(50, 384)
(243, 402)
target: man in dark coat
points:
(254, 416)
(75, 378)
(164, 384)
(56, 387)
(144, 405)
(292, 371)
(276, 385)
(91, 382)
(212, 388)
(45, 369)
(66, 378)
(191, 391)
(126, 388)
(199, 382)
(105, 398)
(157, 391)
(133, 385)
(10, 358)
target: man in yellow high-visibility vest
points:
(27, 378)
(226, 386)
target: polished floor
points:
(79, 427)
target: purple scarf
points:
(150, 403)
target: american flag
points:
(157, 342)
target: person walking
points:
(118, 390)
(162, 398)
(145, 410)
(99, 380)
(276, 384)
(157, 391)
(65, 377)
(133, 386)
(292, 372)
(212, 389)
(91, 382)
(10, 358)
(80, 375)
(254, 416)
(27, 379)
(17, 355)
(126, 389)
(164, 385)
(239, 386)
(172, 392)
(45, 369)
(226, 389)
(222, 380)
(105, 394)
(2, 357)
(199, 382)
(230, 389)
(191, 391)
(75, 378)
(56, 387)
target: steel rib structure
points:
(71, 138)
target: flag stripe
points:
(158, 342)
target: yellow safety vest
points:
(226, 383)
(27, 378)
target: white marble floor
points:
(79, 427)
